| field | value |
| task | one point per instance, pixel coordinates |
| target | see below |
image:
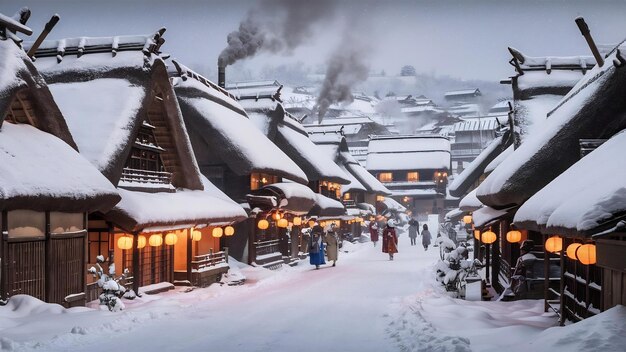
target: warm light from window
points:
(385, 177)
(346, 196)
(413, 176)
(380, 198)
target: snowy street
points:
(365, 303)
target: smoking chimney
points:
(221, 74)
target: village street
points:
(365, 303)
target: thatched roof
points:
(222, 133)
(104, 87)
(594, 108)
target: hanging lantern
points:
(554, 244)
(263, 224)
(586, 254)
(297, 221)
(217, 232)
(141, 242)
(276, 216)
(467, 219)
(311, 223)
(229, 230)
(322, 223)
(171, 239)
(477, 234)
(196, 235)
(571, 250)
(125, 242)
(513, 236)
(282, 223)
(155, 240)
(489, 237)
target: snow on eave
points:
(470, 202)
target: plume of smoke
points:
(346, 67)
(277, 26)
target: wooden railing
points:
(201, 262)
(267, 247)
(146, 176)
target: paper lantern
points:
(489, 237)
(282, 223)
(477, 234)
(586, 254)
(263, 224)
(276, 216)
(513, 236)
(323, 223)
(155, 240)
(554, 244)
(217, 232)
(125, 242)
(229, 230)
(196, 235)
(141, 242)
(571, 250)
(311, 223)
(297, 221)
(171, 239)
(467, 219)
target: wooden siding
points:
(66, 268)
(163, 134)
(22, 109)
(613, 288)
(25, 268)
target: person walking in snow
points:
(316, 246)
(373, 227)
(523, 269)
(425, 237)
(413, 230)
(390, 239)
(332, 245)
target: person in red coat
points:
(390, 239)
(373, 227)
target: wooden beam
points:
(30, 118)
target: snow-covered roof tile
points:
(408, 153)
(325, 206)
(470, 202)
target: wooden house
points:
(121, 109)
(239, 159)
(46, 187)
(414, 168)
(592, 111)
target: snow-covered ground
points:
(365, 303)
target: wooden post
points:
(562, 290)
(4, 227)
(546, 275)
(137, 275)
(251, 240)
(587, 299)
(487, 249)
(189, 254)
(49, 265)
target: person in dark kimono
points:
(426, 237)
(316, 246)
(373, 227)
(413, 231)
(390, 239)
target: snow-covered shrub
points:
(454, 266)
(112, 290)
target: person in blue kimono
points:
(316, 246)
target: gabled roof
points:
(594, 108)
(223, 132)
(40, 168)
(104, 87)
(291, 137)
(584, 197)
(477, 124)
(462, 93)
(408, 153)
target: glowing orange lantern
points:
(125, 242)
(467, 219)
(489, 237)
(477, 234)
(282, 223)
(571, 250)
(297, 221)
(276, 216)
(554, 244)
(586, 254)
(141, 242)
(155, 240)
(229, 230)
(217, 232)
(513, 236)
(171, 239)
(311, 223)
(263, 224)
(196, 235)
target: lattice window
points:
(22, 109)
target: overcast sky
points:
(465, 39)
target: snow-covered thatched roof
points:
(222, 133)
(589, 194)
(325, 206)
(290, 136)
(104, 87)
(594, 108)
(288, 196)
(389, 153)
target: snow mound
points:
(24, 305)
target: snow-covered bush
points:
(454, 266)
(112, 290)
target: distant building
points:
(462, 95)
(472, 136)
